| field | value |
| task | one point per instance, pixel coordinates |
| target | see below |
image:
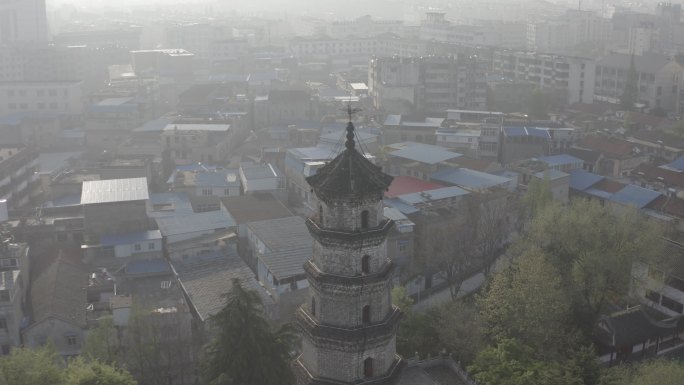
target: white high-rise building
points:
(23, 21)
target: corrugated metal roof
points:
(114, 190)
(404, 208)
(130, 238)
(148, 266)
(559, 160)
(425, 153)
(392, 120)
(469, 178)
(582, 180)
(635, 195)
(197, 127)
(210, 220)
(551, 174)
(678, 164)
(527, 131)
(287, 233)
(598, 193)
(287, 263)
(433, 195)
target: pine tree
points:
(246, 351)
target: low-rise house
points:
(263, 178)
(660, 287)
(618, 156)
(169, 204)
(58, 302)
(400, 128)
(191, 235)
(115, 206)
(658, 144)
(562, 162)
(253, 208)
(472, 180)
(205, 281)
(400, 241)
(138, 245)
(299, 164)
(417, 159)
(464, 139)
(206, 181)
(279, 248)
(17, 175)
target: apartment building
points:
(23, 21)
(14, 265)
(658, 79)
(572, 78)
(429, 84)
(41, 96)
(17, 175)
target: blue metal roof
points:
(678, 164)
(598, 193)
(468, 178)
(527, 131)
(634, 195)
(148, 266)
(582, 180)
(559, 160)
(130, 238)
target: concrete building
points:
(206, 182)
(417, 159)
(42, 96)
(115, 206)
(571, 78)
(574, 28)
(58, 300)
(171, 63)
(263, 178)
(429, 84)
(23, 21)
(189, 143)
(402, 128)
(658, 79)
(18, 177)
(14, 264)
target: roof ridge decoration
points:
(350, 175)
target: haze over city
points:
(317, 192)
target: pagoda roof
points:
(349, 176)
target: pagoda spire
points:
(351, 143)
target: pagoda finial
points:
(350, 143)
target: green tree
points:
(246, 351)
(594, 249)
(81, 372)
(401, 299)
(102, 343)
(528, 302)
(513, 363)
(630, 92)
(31, 367)
(459, 330)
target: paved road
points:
(469, 285)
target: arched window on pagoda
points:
(364, 219)
(365, 314)
(368, 367)
(365, 264)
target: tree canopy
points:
(246, 351)
(44, 366)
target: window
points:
(137, 247)
(166, 284)
(71, 340)
(226, 192)
(368, 367)
(365, 264)
(364, 219)
(206, 191)
(313, 306)
(365, 314)
(150, 246)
